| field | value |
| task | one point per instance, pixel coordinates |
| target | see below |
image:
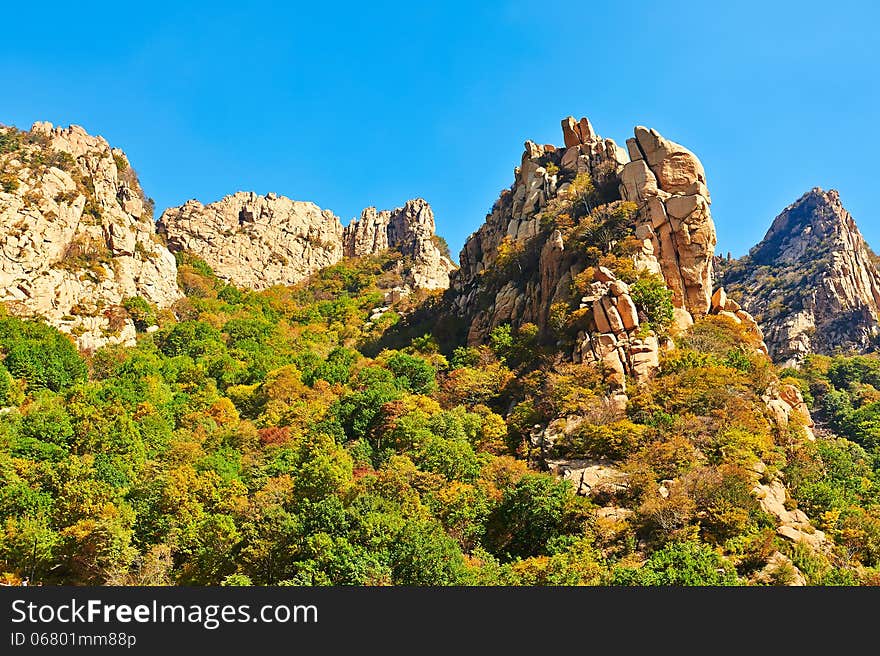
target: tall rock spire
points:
(668, 183)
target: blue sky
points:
(356, 104)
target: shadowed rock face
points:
(811, 283)
(260, 241)
(77, 235)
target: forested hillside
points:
(249, 440)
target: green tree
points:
(40, 354)
(680, 564)
(423, 554)
(531, 514)
(412, 373)
(651, 294)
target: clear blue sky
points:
(356, 104)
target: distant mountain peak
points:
(259, 241)
(811, 282)
(816, 219)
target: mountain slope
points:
(811, 282)
(606, 410)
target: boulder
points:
(571, 135)
(590, 477)
(628, 313)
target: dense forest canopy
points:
(250, 440)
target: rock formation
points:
(256, 241)
(77, 235)
(617, 343)
(409, 229)
(260, 241)
(544, 173)
(811, 283)
(668, 183)
(590, 477)
(794, 525)
(673, 228)
(722, 305)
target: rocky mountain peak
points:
(260, 241)
(253, 240)
(811, 282)
(77, 236)
(580, 225)
(665, 183)
(815, 221)
(409, 229)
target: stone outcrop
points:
(525, 295)
(811, 283)
(665, 180)
(616, 342)
(722, 305)
(793, 524)
(590, 477)
(668, 183)
(77, 235)
(256, 241)
(673, 224)
(779, 570)
(784, 402)
(260, 241)
(409, 229)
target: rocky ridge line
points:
(260, 241)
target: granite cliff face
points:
(811, 283)
(77, 235)
(256, 241)
(260, 241)
(673, 223)
(668, 183)
(545, 172)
